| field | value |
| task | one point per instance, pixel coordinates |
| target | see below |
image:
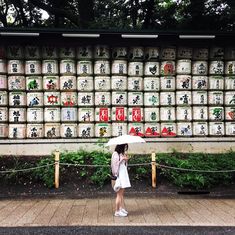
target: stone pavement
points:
(147, 211)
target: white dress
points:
(123, 176)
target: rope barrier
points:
(86, 165)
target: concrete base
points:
(43, 147)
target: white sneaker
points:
(120, 214)
(124, 211)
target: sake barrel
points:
(229, 128)
(199, 82)
(35, 99)
(68, 130)
(152, 130)
(34, 83)
(119, 114)
(32, 52)
(136, 53)
(33, 67)
(216, 82)
(119, 67)
(52, 114)
(151, 115)
(85, 83)
(35, 131)
(86, 115)
(230, 67)
(101, 67)
(84, 52)
(102, 83)
(85, 98)
(16, 83)
(200, 113)
(200, 128)
(152, 53)
(167, 68)
(167, 83)
(200, 53)
(216, 67)
(136, 129)
(135, 68)
(168, 129)
(135, 114)
(52, 98)
(184, 53)
(69, 99)
(50, 67)
(3, 66)
(17, 115)
(168, 53)
(151, 68)
(215, 97)
(151, 99)
(3, 114)
(3, 82)
(101, 52)
(35, 115)
(3, 53)
(184, 129)
(183, 97)
(15, 67)
(229, 53)
(216, 53)
(67, 52)
(17, 131)
(230, 113)
(102, 114)
(216, 129)
(4, 98)
(119, 128)
(183, 67)
(230, 83)
(49, 52)
(135, 83)
(135, 98)
(17, 98)
(167, 114)
(52, 130)
(67, 67)
(3, 130)
(119, 98)
(216, 113)
(84, 68)
(15, 52)
(86, 130)
(199, 67)
(119, 83)
(119, 52)
(51, 83)
(229, 98)
(102, 98)
(151, 83)
(68, 83)
(184, 114)
(183, 82)
(103, 130)
(199, 97)
(167, 98)
(69, 114)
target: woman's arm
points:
(115, 162)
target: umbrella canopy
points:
(125, 139)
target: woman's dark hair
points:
(121, 148)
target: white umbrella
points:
(125, 139)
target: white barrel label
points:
(119, 67)
(199, 82)
(68, 83)
(34, 83)
(52, 130)
(151, 99)
(84, 68)
(86, 115)
(3, 98)
(151, 68)
(17, 115)
(183, 67)
(184, 53)
(101, 52)
(84, 52)
(168, 53)
(230, 83)
(51, 83)
(50, 67)
(151, 83)
(68, 130)
(102, 83)
(85, 98)
(3, 82)
(167, 83)
(151, 115)
(17, 131)
(52, 115)
(184, 129)
(102, 67)
(230, 128)
(85, 84)
(216, 97)
(69, 115)
(52, 98)
(69, 99)
(3, 130)
(230, 67)
(119, 129)
(3, 114)
(200, 113)
(35, 115)
(17, 98)
(35, 131)
(216, 128)
(136, 69)
(15, 67)
(102, 130)
(135, 83)
(102, 98)
(35, 99)
(167, 68)
(184, 113)
(135, 98)
(86, 130)
(167, 114)
(229, 113)
(119, 83)
(200, 129)
(183, 82)
(216, 113)
(199, 97)
(216, 83)
(119, 52)
(167, 98)
(183, 98)
(67, 67)
(230, 98)
(216, 67)
(33, 67)
(16, 83)
(200, 68)
(119, 98)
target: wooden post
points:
(154, 171)
(57, 169)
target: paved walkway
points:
(142, 211)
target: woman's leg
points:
(122, 199)
(118, 200)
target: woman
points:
(119, 169)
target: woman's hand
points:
(125, 157)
